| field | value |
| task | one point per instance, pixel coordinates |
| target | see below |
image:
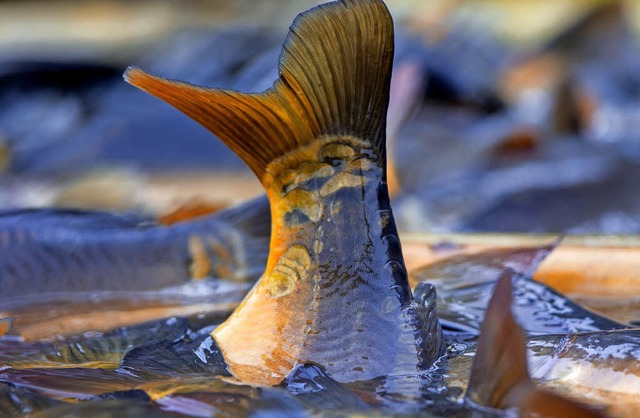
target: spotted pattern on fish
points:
(200, 263)
(293, 267)
(308, 183)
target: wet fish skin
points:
(100, 351)
(46, 251)
(110, 408)
(16, 401)
(465, 282)
(599, 368)
(196, 354)
(335, 281)
(310, 384)
(500, 376)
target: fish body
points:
(45, 251)
(465, 283)
(335, 281)
(500, 377)
(599, 368)
(335, 289)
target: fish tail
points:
(500, 376)
(327, 87)
(501, 357)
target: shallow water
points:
(172, 366)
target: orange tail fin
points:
(327, 87)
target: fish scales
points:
(66, 251)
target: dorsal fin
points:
(501, 358)
(335, 70)
(500, 376)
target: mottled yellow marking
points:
(310, 160)
(340, 181)
(285, 177)
(200, 263)
(293, 266)
(310, 171)
(280, 284)
(385, 217)
(301, 200)
(336, 207)
(318, 245)
(300, 254)
(5, 156)
(360, 165)
(223, 268)
(316, 282)
(5, 325)
(337, 151)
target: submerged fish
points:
(335, 282)
(44, 251)
(500, 376)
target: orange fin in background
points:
(500, 376)
(5, 325)
(187, 211)
(5, 156)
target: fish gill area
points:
(129, 234)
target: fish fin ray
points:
(335, 72)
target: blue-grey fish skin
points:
(45, 251)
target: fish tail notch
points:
(249, 124)
(335, 70)
(500, 377)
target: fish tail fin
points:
(335, 71)
(541, 403)
(501, 358)
(500, 376)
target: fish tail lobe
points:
(335, 70)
